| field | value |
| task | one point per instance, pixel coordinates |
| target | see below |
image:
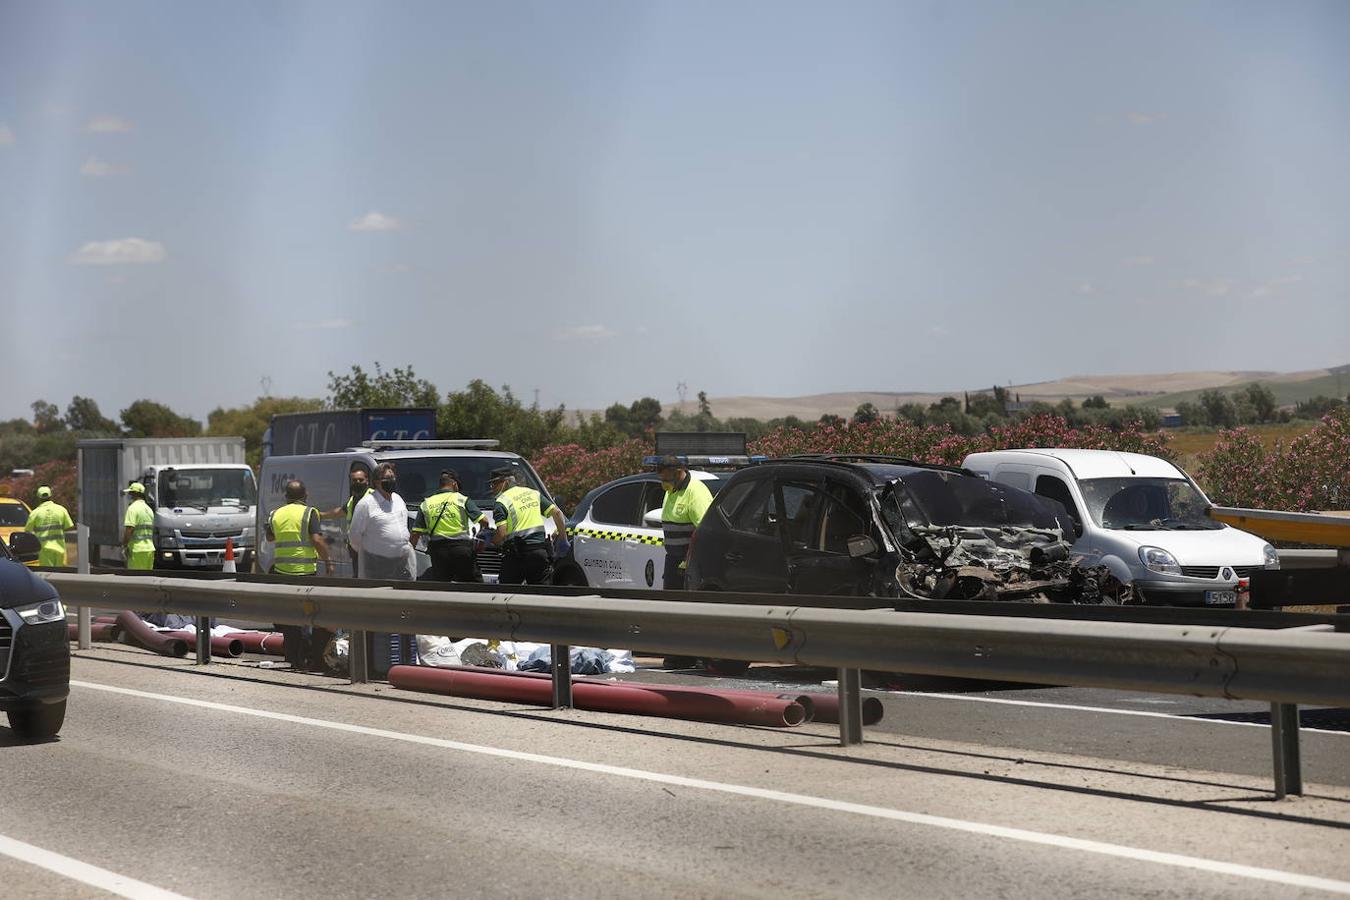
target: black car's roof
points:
(877, 469)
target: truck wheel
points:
(38, 722)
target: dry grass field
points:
(1189, 444)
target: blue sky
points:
(602, 200)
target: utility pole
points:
(682, 389)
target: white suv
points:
(616, 533)
(1140, 516)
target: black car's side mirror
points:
(25, 546)
(860, 545)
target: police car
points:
(616, 529)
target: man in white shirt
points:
(379, 530)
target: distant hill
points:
(1161, 390)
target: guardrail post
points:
(84, 616)
(561, 655)
(1284, 745)
(850, 707)
(356, 657)
(203, 640)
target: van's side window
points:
(1055, 489)
(1020, 480)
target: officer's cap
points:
(44, 492)
(669, 461)
(503, 472)
(135, 488)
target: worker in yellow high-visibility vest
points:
(518, 514)
(49, 521)
(447, 518)
(138, 529)
(298, 546)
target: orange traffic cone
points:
(228, 565)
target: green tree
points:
(400, 387)
(146, 418)
(84, 415)
(865, 414)
(912, 412)
(1192, 413)
(1312, 408)
(249, 422)
(636, 419)
(480, 412)
(1096, 401)
(47, 417)
(1261, 399)
(1219, 408)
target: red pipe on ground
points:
(98, 631)
(773, 712)
(142, 635)
(805, 700)
(220, 646)
(827, 709)
(269, 642)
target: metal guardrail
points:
(1283, 667)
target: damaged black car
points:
(888, 527)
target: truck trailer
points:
(332, 430)
(202, 492)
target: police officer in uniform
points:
(445, 518)
(519, 514)
(687, 500)
(49, 522)
(299, 545)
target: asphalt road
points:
(236, 781)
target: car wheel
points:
(37, 722)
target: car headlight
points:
(1156, 559)
(1272, 557)
(46, 611)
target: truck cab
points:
(1140, 516)
(201, 491)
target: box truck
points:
(201, 490)
(331, 430)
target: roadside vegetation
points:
(1243, 448)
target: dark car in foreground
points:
(34, 648)
(886, 527)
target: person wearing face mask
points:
(360, 485)
(379, 530)
(687, 499)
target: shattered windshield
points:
(204, 488)
(940, 498)
(1146, 504)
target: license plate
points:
(1221, 598)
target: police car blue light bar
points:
(694, 460)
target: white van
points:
(327, 478)
(1140, 516)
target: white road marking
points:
(93, 876)
(1276, 876)
(1099, 709)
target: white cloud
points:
(97, 168)
(127, 251)
(326, 324)
(106, 124)
(375, 221)
(1137, 261)
(6, 135)
(1142, 118)
(584, 333)
(1087, 288)
(1211, 287)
